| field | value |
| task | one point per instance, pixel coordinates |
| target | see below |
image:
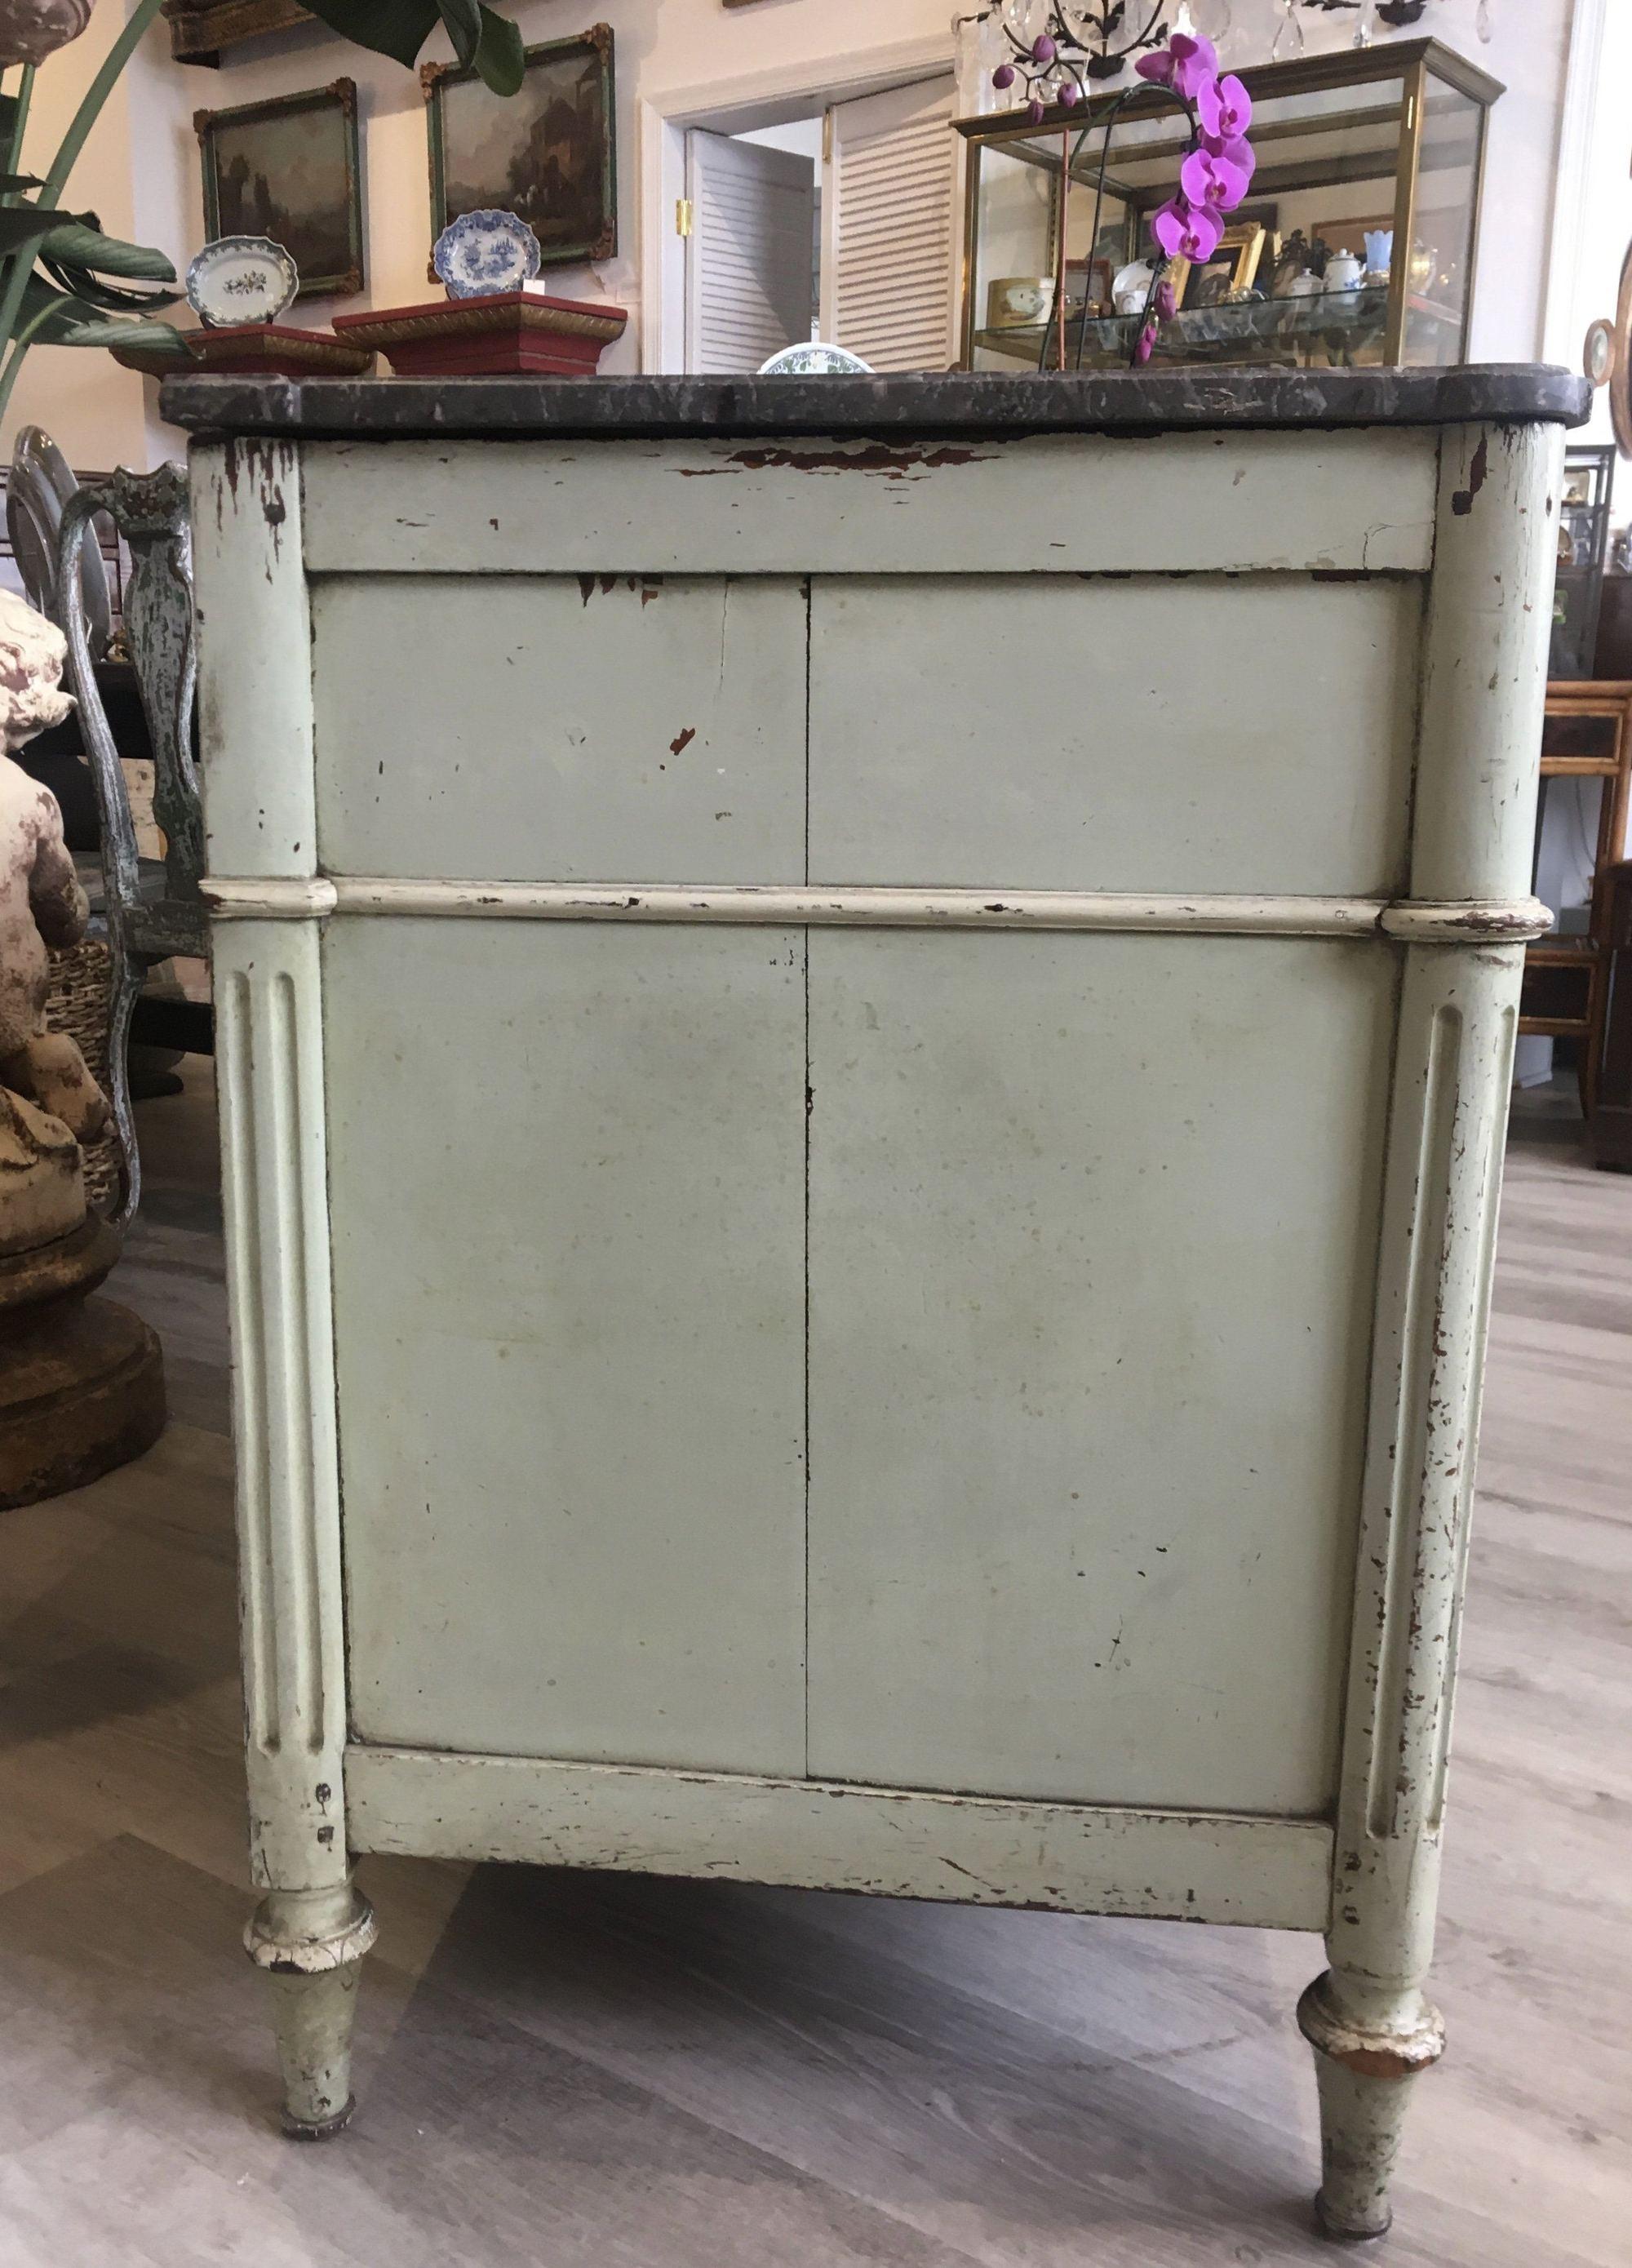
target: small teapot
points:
(1342, 271)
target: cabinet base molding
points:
(902, 1842)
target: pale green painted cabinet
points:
(864, 1032)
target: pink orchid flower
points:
(1213, 184)
(1144, 343)
(1195, 66)
(1187, 232)
(1156, 67)
(1225, 106)
(1164, 306)
(1239, 153)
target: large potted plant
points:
(63, 281)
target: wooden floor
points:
(639, 2073)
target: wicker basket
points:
(77, 1005)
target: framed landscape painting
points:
(546, 154)
(288, 169)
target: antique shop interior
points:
(815, 1132)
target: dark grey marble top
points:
(956, 402)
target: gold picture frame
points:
(1232, 268)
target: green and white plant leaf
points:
(483, 40)
(65, 318)
(64, 283)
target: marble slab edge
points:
(957, 404)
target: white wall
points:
(1595, 217)
(141, 169)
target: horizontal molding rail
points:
(1406, 920)
(885, 1842)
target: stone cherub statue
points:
(50, 1104)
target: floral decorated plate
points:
(483, 252)
(814, 358)
(242, 279)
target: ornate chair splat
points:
(153, 910)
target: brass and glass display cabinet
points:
(1356, 245)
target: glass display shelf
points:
(1325, 330)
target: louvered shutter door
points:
(890, 189)
(750, 256)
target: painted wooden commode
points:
(865, 1032)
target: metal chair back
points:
(151, 912)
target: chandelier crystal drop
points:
(1289, 35)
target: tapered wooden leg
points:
(1369, 2044)
(311, 1944)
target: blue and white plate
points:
(242, 279)
(483, 252)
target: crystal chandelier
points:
(1396, 14)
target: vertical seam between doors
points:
(809, 604)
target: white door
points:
(751, 253)
(889, 203)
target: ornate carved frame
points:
(347, 282)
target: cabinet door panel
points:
(1041, 733)
(567, 1184)
(561, 728)
(1090, 1293)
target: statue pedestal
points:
(81, 1380)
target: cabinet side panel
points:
(1092, 1238)
(567, 1168)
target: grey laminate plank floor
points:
(558, 2068)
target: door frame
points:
(794, 90)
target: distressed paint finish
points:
(958, 1019)
(1128, 700)
(1077, 1372)
(1124, 912)
(1489, 612)
(254, 645)
(1490, 620)
(583, 728)
(275, 1199)
(309, 1945)
(903, 1843)
(310, 1932)
(1329, 503)
(609, 1563)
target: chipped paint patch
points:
(879, 457)
(1477, 472)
